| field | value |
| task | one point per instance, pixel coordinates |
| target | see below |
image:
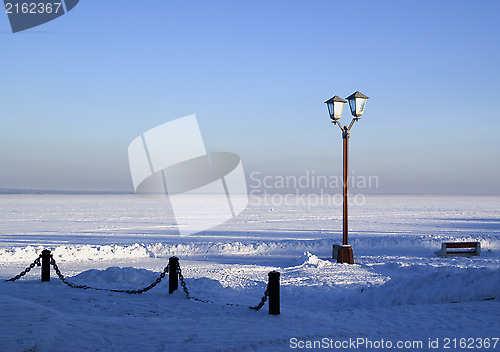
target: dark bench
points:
(459, 249)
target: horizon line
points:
(27, 191)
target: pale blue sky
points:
(76, 91)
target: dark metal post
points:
(345, 228)
(173, 276)
(45, 265)
(273, 290)
(345, 254)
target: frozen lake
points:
(126, 219)
(376, 223)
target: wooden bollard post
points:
(45, 265)
(273, 290)
(173, 277)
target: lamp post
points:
(357, 102)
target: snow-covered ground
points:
(399, 294)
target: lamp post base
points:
(345, 255)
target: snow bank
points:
(115, 277)
(421, 284)
(27, 254)
(365, 245)
(75, 252)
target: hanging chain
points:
(27, 270)
(189, 296)
(183, 283)
(262, 302)
(85, 287)
(185, 289)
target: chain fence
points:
(85, 287)
(37, 262)
(27, 270)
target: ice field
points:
(397, 296)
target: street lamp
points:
(357, 103)
(335, 107)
